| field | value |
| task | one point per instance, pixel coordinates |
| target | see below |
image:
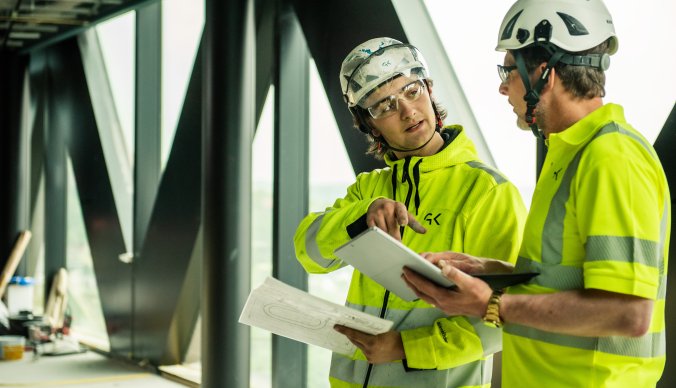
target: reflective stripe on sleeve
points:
(623, 249)
(311, 246)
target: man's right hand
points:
(469, 264)
(389, 215)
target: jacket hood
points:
(457, 149)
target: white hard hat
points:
(576, 25)
(376, 61)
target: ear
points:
(549, 85)
(374, 131)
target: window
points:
(327, 154)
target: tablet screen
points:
(382, 258)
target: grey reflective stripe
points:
(623, 249)
(491, 338)
(496, 175)
(649, 345)
(554, 276)
(664, 225)
(662, 288)
(311, 246)
(403, 319)
(552, 231)
(615, 127)
(394, 375)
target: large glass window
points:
(330, 174)
(111, 80)
(261, 236)
(117, 38)
(182, 25)
(84, 303)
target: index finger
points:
(415, 225)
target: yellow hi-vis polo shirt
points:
(599, 218)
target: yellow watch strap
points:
(492, 316)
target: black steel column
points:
(14, 165)
(147, 159)
(56, 175)
(292, 137)
(228, 132)
(72, 124)
(166, 294)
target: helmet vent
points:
(575, 27)
(522, 35)
(542, 32)
(507, 32)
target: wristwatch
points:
(492, 316)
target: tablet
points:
(379, 256)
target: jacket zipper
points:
(404, 177)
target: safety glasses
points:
(503, 72)
(390, 104)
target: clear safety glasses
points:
(504, 71)
(390, 104)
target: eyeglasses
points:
(503, 72)
(389, 105)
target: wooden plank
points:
(14, 258)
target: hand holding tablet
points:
(382, 258)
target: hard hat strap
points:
(532, 96)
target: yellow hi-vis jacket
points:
(466, 206)
(600, 219)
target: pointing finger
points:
(415, 225)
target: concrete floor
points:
(83, 370)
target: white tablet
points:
(379, 256)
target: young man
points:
(434, 178)
(599, 224)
